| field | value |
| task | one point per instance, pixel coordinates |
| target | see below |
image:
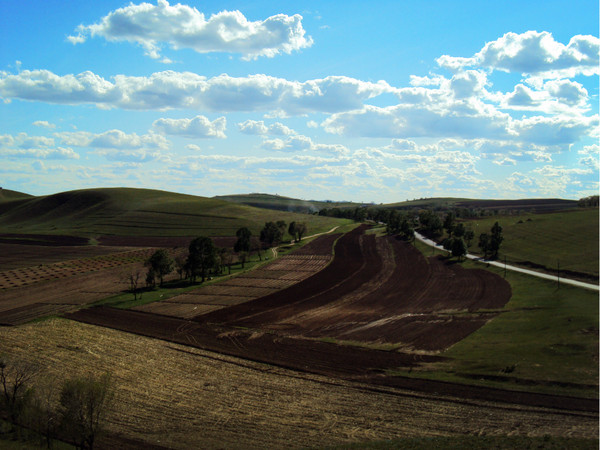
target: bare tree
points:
(15, 377)
(134, 279)
(84, 403)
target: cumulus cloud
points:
(45, 153)
(534, 53)
(198, 127)
(112, 139)
(299, 143)
(258, 127)
(44, 124)
(182, 26)
(186, 90)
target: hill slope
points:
(280, 203)
(139, 212)
(6, 195)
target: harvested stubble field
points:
(226, 402)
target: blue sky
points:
(366, 101)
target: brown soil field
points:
(181, 397)
(379, 290)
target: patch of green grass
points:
(568, 238)
(545, 339)
(478, 442)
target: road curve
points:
(546, 276)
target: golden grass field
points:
(181, 397)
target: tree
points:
(242, 244)
(160, 264)
(16, 393)
(134, 283)
(449, 223)
(180, 266)
(271, 234)
(459, 248)
(225, 258)
(243, 257)
(469, 236)
(496, 239)
(484, 243)
(431, 223)
(459, 230)
(84, 403)
(201, 258)
(292, 230)
(301, 230)
(282, 226)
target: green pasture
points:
(545, 339)
(567, 239)
(142, 212)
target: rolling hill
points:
(281, 203)
(139, 212)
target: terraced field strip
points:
(279, 274)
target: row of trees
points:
(204, 257)
(74, 413)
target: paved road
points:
(546, 276)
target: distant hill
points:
(139, 212)
(281, 203)
(8, 195)
(525, 205)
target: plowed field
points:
(378, 290)
(279, 274)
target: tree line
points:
(204, 258)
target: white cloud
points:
(44, 124)
(112, 139)
(258, 127)
(534, 53)
(198, 127)
(186, 90)
(300, 143)
(182, 26)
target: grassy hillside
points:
(281, 203)
(7, 195)
(140, 212)
(568, 238)
(526, 205)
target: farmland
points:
(286, 352)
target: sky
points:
(378, 102)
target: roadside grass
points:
(477, 442)
(545, 339)
(568, 239)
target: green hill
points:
(140, 212)
(537, 205)
(281, 203)
(7, 195)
